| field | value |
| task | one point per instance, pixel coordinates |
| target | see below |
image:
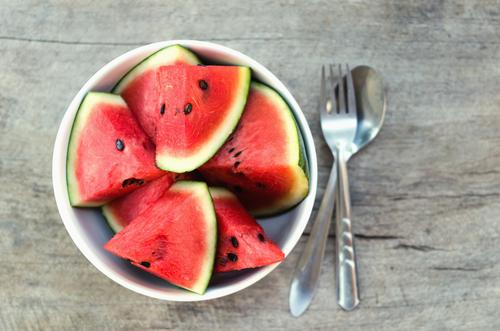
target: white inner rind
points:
(200, 190)
(86, 107)
(220, 192)
(180, 164)
(163, 57)
(110, 217)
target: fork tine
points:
(342, 109)
(333, 98)
(351, 98)
(322, 96)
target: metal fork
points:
(338, 123)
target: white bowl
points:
(89, 230)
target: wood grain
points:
(425, 194)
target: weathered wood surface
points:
(426, 193)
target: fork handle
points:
(307, 272)
(346, 271)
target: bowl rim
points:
(59, 173)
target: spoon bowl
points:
(371, 104)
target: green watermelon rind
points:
(111, 218)
(302, 155)
(165, 56)
(297, 161)
(81, 118)
(189, 163)
(211, 225)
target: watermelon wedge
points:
(139, 86)
(262, 162)
(109, 154)
(199, 108)
(175, 239)
(120, 212)
(242, 242)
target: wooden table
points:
(426, 193)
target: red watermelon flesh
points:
(262, 160)
(109, 154)
(120, 212)
(199, 108)
(139, 86)
(242, 242)
(175, 239)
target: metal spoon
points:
(371, 101)
(371, 107)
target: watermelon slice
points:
(199, 108)
(175, 239)
(120, 212)
(139, 86)
(108, 153)
(242, 242)
(262, 162)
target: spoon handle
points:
(347, 281)
(307, 272)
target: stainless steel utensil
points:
(338, 123)
(369, 93)
(342, 147)
(367, 89)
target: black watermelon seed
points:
(236, 164)
(222, 260)
(132, 181)
(238, 154)
(162, 109)
(232, 257)
(230, 138)
(261, 237)
(127, 182)
(188, 108)
(203, 84)
(119, 144)
(200, 65)
(260, 185)
(234, 241)
(231, 150)
(238, 189)
(145, 264)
